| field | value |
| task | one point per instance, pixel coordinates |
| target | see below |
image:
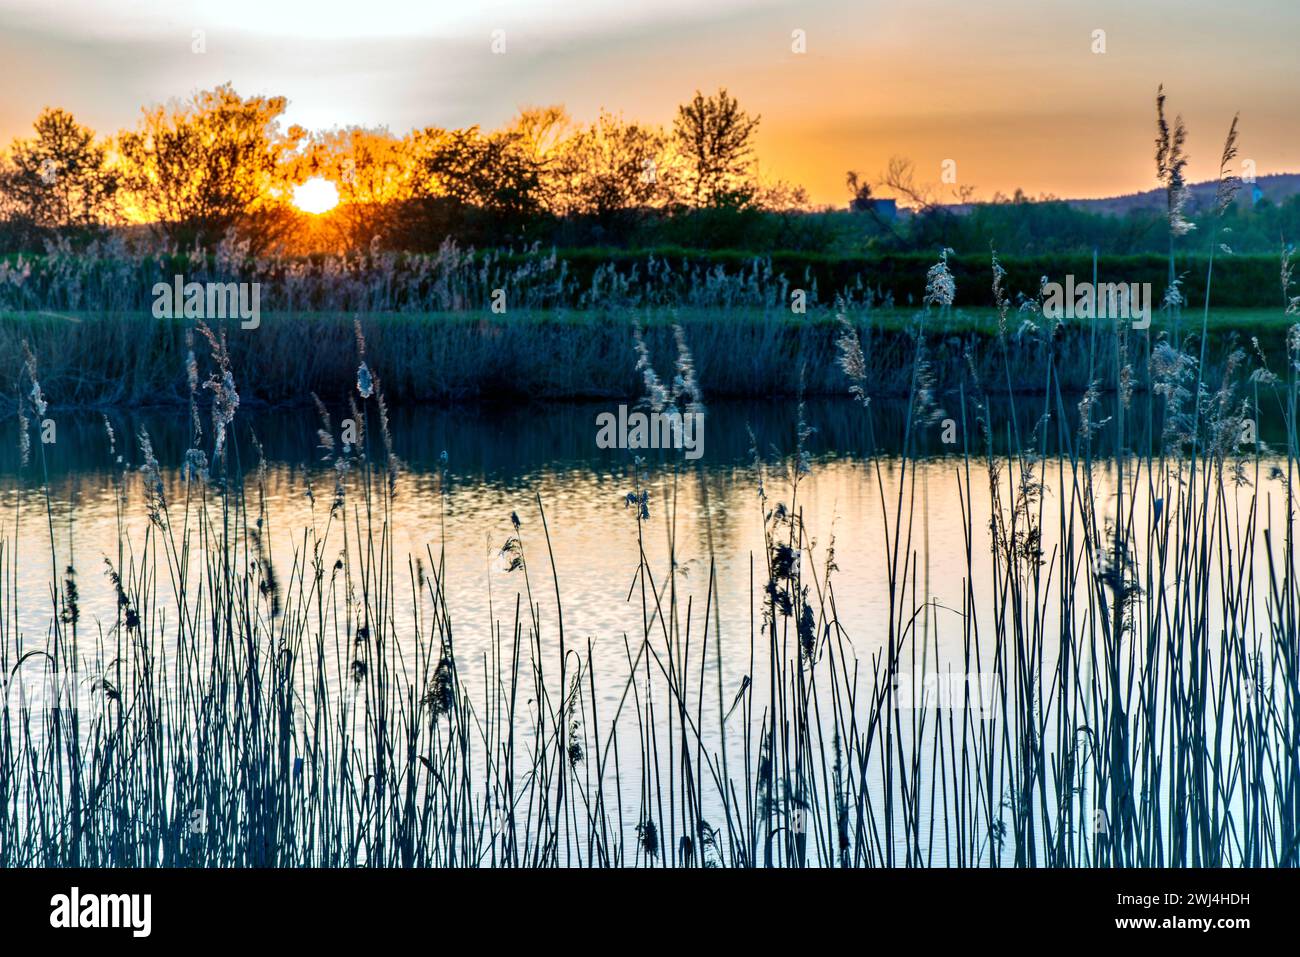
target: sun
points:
(317, 195)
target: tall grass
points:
(1137, 651)
(130, 359)
(112, 276)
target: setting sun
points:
(317, 195)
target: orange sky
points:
(1011, 91)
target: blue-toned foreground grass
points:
(107, 359)
(1142, 708)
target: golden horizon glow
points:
(1011, 100)
(317, 195)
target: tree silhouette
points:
(860, 197)
(609, 167)
(492, 172)
(200, 169)
(371, 169)
(59, 181)
(714, 138)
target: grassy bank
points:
(131, 358)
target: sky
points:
(1012, 93)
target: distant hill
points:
(1275, 188)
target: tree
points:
(610, 167)
(200, 169)
(539, 133)
(371, 170)
(494, 172)
(540, 130)
(60, 180)
(860, 198)
(714, 138)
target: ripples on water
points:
(500, 463)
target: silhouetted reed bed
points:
(1142, 691)
(117, 274)
(462, 324)
(131, 359)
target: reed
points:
(1136, 701)
(94, 362)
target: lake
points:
(904, 530)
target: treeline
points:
(221, 168)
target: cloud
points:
(1018, 99)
